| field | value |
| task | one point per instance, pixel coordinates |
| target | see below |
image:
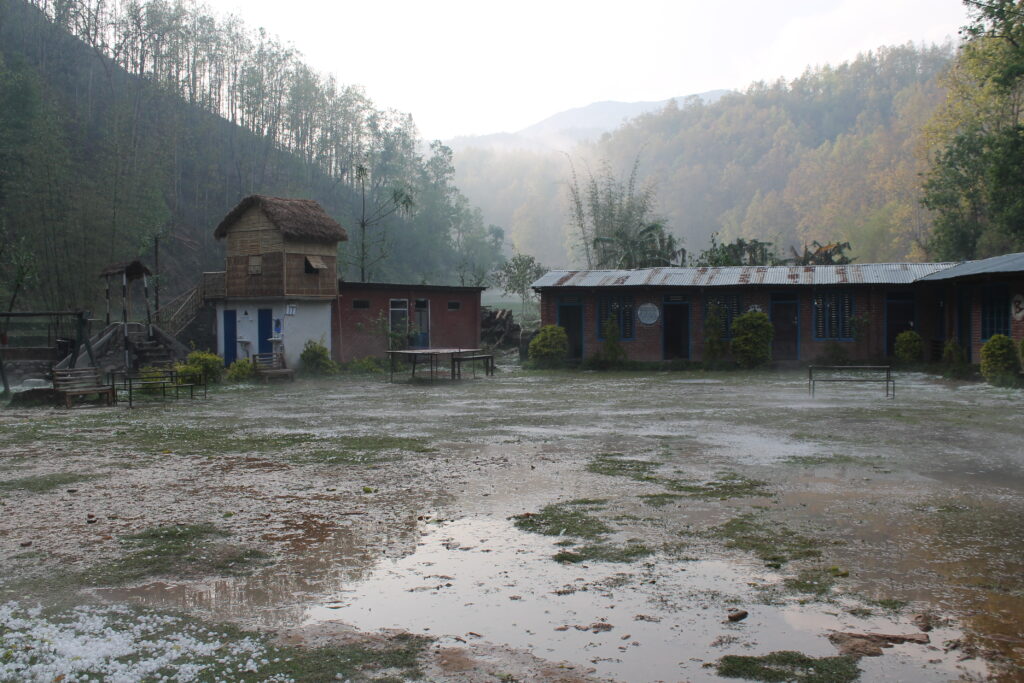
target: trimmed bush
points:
(999, 362)
(715, 347)
(316, 359)
(954, 361)
(752, 335)
(365, 366)
(210, 364)
(242, 370)
(909, 347)
(550, 347)
(189, 373)
(612, 355)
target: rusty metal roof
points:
(1007, 263)
(858, 274)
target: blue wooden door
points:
(230, 338)
(265, 329)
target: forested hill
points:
(832, 155)
(121, 122)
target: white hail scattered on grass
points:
(118, 644)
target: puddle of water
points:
(483, 579)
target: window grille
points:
(621, 308)
(833, 312)
(728, 305)
(995, 311)
(255, 265)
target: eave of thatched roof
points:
(133, 269)
(297, 219)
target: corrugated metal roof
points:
(858, 273)
(1007, 263)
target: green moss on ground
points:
(786, 665)
(180, 550)
(774, 543)
(45, 482)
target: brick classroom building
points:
(857, 308)
(368, 314)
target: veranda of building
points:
(858, 309)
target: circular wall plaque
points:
(648, 313)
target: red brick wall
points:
(358, 334)
(869, 301)
(1015, 287)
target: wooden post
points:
(145, 293)
(107, 278)
(124, 316)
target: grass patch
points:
(573, 519)
(44, 482)
(811, 581)
(724, 485)
(786, 665)
(603, 552)
(774, 544)
(564, 519)
(617, 465)
(834, 459)
(660, 499)
(179, 550)
(359, 450)
(891, 604)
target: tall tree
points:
(615, 223)
(976, 182)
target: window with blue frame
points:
(995, 311)
(619, 307)
(833, 313)
(727, 305)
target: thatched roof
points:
(297, 219)
(133, 269)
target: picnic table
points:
(433, 356)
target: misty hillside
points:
(568, 128)
(110, 140)
(832, 155)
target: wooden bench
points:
(157, 379)
(82, 382)
(270, 365)
(457, 362)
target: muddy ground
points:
(542, 526)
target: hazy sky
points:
(476, 66)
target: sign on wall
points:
(1017, 307)
(648, 313)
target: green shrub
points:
(365, 366)
(189, 373)
(999, 363)
(909, 347)
(834, 353)
(151, 374)
(752, 335)
(242, 370)
(316, 359)
(210, 364)
(611, 355)
(954, 361)
(550, 347)
(715, 347)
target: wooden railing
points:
(174, 316)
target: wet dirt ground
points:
(395, 506)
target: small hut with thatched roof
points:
(280, 277)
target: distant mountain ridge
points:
(567, 128)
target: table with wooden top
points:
(432, 357)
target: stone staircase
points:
(148, 351)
